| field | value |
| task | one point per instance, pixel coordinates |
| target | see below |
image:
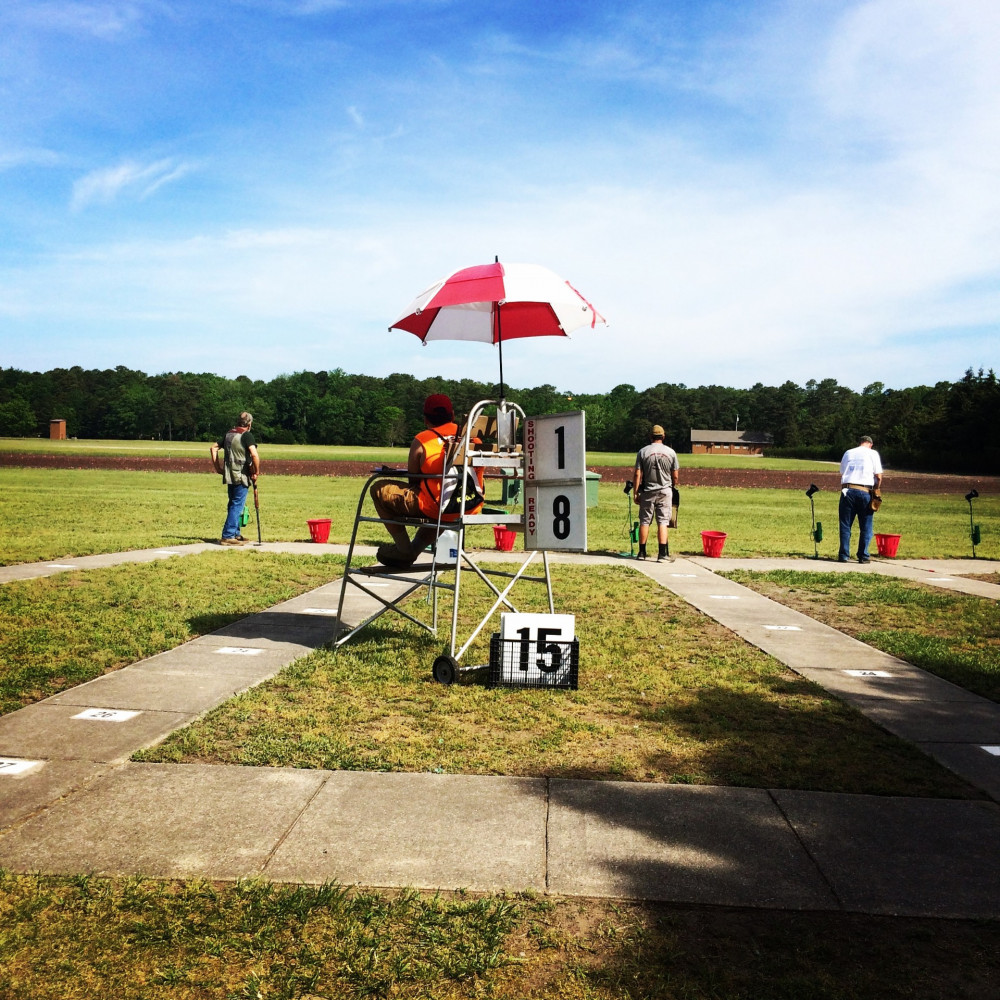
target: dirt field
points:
(742, 478)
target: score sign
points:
(535, 649)
(555, 484)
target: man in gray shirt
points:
(654, 477)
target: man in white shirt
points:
(860, 476)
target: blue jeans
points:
(237, 499)
(854, 504)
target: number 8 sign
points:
(555, 485)
(555, 517)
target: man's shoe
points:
(843, 559)
(864, 559)
(642, 555)
(240, 538)
(664, 558)
(389, 555)
(231, 541)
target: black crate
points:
(528, 663)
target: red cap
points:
(438, 407)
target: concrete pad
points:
(49, 780)
(906, 683)
(184, 692)
(422, 830)
(46, 730)
(969, 760)
(165, 821)
(932, 722)
(700, 844)
(277, 648)
(900, 856)
(210, 659)
(308, 630)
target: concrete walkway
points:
(70, 800)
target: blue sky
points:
(748, 191)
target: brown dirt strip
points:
(738, 478)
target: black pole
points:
(496, 260)
(500, 349)
(812, 504)
(970, 496)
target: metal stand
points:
(817, 532)
(463, 456)
(974, 533)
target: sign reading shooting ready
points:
(555, 482)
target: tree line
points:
(950, 426)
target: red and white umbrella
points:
(495, 302)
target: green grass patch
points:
(665, 695)
(53, 514)
(956, 636)
(59, 631)
(68, 938)
(360, 453)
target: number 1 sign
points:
(555, 484)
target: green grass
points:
(59, 631)
(199, 449)
(82, 937)
(688, 461)
(956, 636)
(360, 453)
(52, 514)
(665, 695)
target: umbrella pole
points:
(500, 349)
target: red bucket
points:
(887, 545)
(319, 529)
(712, 542)
(504, 537)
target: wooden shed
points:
(729, 442)
(57, 429)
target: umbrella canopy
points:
(495, 302)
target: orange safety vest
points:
(435, 451)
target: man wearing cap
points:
(236, 458)
(421, 496)
(860, 477)
(655, 476)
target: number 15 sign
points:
(555, 483)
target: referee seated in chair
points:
(420, 497)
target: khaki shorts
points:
(657, 504)
(395, 499)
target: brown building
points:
(729, 442)
(57, 430)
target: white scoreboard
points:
(555, 482)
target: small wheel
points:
(445, 669)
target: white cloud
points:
(27, 157)
(106, 20)
(106, 185)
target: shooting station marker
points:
(106, 715)
(61, 566)
(724, 597)
(12, 765)
(783, 628)
(868, 673)
(240, 650)
(320, 611)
